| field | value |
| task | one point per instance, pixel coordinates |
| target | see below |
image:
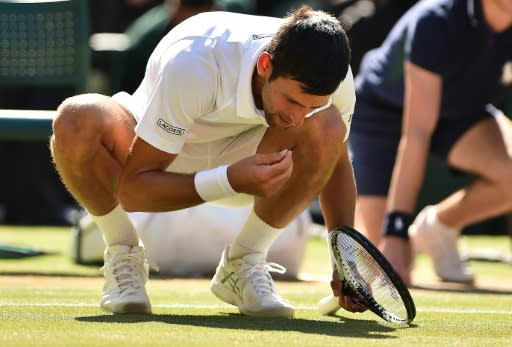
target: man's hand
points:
(261, 174)
(347, 299)
(398, 252)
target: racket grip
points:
(328, 305)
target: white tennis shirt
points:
(197, 86)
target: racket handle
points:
(328, 305)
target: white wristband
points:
(213, 184)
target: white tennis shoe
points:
(246, 282)
(126, 272)
(440, 243)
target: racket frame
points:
(387, 268)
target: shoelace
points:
(259, 275)
(128, 269)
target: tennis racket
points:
(364, 271)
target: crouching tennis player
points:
(233, 109)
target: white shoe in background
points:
(438, 241)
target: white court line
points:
(223, 306)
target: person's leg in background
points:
(484, 150)
(374, 139)
(373, 146)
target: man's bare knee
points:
(76, 112)
(78, 122)
(324, 144)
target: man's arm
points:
(337, 200)
(422, 101)
(146, 186)
(338, 197)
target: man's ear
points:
(264, 64)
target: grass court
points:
(50, 301)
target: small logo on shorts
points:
(171, 129)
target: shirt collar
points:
(321, 108)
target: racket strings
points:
(368, 278)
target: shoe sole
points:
(469, 281)
(133, 307)
(223, 293)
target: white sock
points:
(256, 237)
(117, 228)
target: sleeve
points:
(179, 87)
(427, 43)
(344, 99)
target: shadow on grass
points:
(462, 289)
(345, 327)
(482, 285)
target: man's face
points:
(286, 105)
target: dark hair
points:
(312, 48)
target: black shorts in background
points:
(375, 134)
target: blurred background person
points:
(428, 89)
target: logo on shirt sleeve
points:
(171, 129)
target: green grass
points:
(50, 301)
